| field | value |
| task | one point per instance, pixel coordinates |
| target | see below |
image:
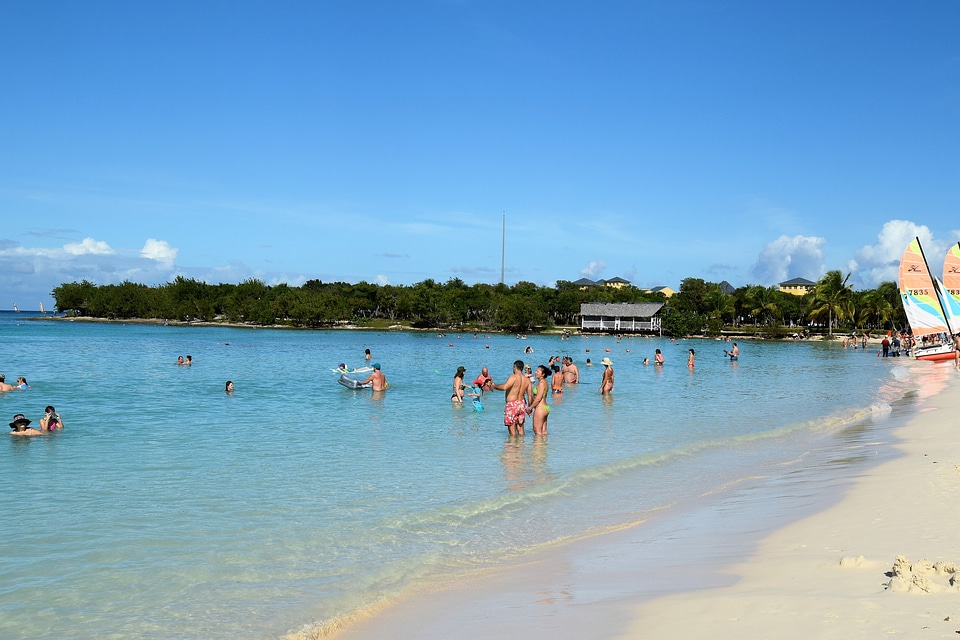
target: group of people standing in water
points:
(525, 391)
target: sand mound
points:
(923, 576)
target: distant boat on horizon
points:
(41, 309)
(15, 307)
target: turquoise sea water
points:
(167, 509)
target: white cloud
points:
(880, 262)
(89, 246)
(382, 280)
(593, 269)
(160, 251)
(33, 272)
(786, 257)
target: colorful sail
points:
(919, 294)
(951, 285)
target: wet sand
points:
(805, 554)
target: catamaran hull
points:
(939, 352)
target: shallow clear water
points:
(167, 509)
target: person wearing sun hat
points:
(19, 427)
(606, 383)
(458, 385)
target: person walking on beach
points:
(606, 383)
(517, 390)
(377, 378)
(539, 407)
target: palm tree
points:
(874, 308)
(832, 296)
(761, 302)
(719, 304)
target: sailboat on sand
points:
(951, 285)
(923, 302)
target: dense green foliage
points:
(699, 307)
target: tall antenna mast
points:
(503, 243)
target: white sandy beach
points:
(824, 576)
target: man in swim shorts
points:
(518, 395)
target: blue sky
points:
(383, 141)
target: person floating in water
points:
(228, 389)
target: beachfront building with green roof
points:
(621, 317)
(797, 286)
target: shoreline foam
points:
(844, 571)
(613, 585)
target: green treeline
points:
(698, 307)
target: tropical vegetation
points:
(699, 307)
